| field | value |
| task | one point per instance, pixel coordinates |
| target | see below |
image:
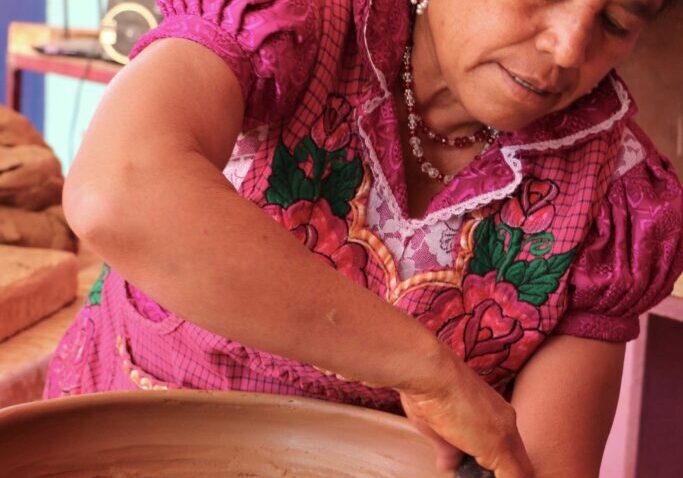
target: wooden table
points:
(22, 57)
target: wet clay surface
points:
(206, 434)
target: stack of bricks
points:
(40, 281)
(34, 283)
(30, 188)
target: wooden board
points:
(24, 357)
(678, 287)
(34, 283)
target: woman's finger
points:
(448, 457)
(514, 464)
(447, 460)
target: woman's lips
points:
(529, 85)
(527, 89)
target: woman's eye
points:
(613, 27)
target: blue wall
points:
(33, 84)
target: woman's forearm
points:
(186, 238)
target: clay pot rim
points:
(31, 411)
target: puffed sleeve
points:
(632, 255)
(270, 45)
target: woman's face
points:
(509, 62)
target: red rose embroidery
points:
(492, 322)
(447, 305)
(332, 131)
(532, 209)
(325, 234)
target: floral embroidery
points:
(94, 297)
(448, 305)
(522, 221)
(332, 131)
(325, 235)
(532, 211)
(319, 166)
(489, 320)
(493, 321)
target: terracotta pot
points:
(207, 434)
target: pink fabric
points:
(631, 255)
(270, 46)
(112, 346)
(572, 225)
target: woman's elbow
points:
(91, 203)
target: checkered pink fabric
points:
(573, 225)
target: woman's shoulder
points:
(633, 252)
(645, 184)
(272, 47)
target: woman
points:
(474, 167)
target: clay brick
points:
(33, 284)
(24, 358)
(16, 129)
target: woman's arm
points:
(565, 398)
(146, 192)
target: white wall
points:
(66, 119)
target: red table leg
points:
(13, 87)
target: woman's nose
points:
(566, 35)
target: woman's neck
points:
(435, 102)
(442, 112)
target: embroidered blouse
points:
(572, 225)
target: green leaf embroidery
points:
(540, 277)
(489, 249)
(95, 295)
(537, 268)
(561, 261)
(283, 177)
(540, 244)
(534, 280)
(515, 274)
(288, 183)
(341, 185)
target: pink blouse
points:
(572, 225)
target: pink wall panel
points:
(654, 74)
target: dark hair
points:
(667, 4)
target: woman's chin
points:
(508, 120)
(508, 107)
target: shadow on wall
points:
(33, 84)
(654, 74)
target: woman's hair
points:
(667, 4)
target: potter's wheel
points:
(208, 434)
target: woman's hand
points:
(463, 414)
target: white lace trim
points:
(413, 251)
(413, 224)
(243, 155)
(373, 103)
(510, 155)
(573, 138)
(631, 152)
